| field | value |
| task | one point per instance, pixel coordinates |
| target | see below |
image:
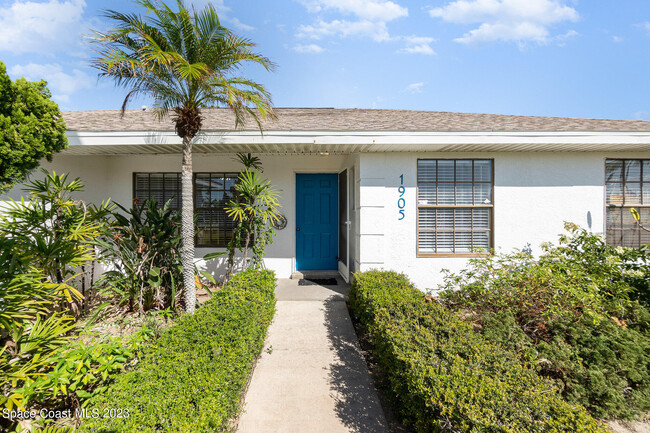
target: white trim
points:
(134, 142)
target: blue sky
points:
(530, 57)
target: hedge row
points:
(444, 376)
(194, 376)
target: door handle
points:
(297, 229)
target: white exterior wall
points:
(112, 177)
(534, 194)
(91, 169)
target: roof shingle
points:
(336, 119)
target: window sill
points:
(451, 255)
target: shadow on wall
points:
(216, 267)
(357, 404)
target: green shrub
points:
(80, 371)
(583, 276)
(444, 376)
(51, 233)
(46, 242)
(570, 314)
(193, 376)
(143, 249)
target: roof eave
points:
(347, 142)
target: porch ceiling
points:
(294, 142)
(169, 149)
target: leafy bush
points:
(444, 376)
(193, 377)
(30, 345)
(569, 313)
(31, 127)
(51, 233)
(45, 243)
(143, 248)
(583, 276)
(77, 372)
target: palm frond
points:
(181, 58)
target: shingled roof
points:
(336, 119)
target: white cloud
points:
(41, 27)
(238, 24)
(223, 12)
(370, 10)
(560, 40)
(617, 39)
(646, 26)
(375, 30)
(61, 84)
(369, 19)
(506, 20)
(641, 115)
(418, 45)
(311, 48)
(414, 88)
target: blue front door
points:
(316, 221)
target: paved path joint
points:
(311, 376)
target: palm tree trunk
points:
(187, 226)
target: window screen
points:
(627, 185)
(159, 186)
(454, 206)
(211, 193)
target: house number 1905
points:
(401, 203)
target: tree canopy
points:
(31, 127)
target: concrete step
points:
(299, 275)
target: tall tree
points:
(31, 128)
(185, 60)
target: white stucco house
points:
(411, 191)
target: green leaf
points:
(208, 276)
(212, 256)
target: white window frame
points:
(489, 206)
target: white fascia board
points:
(131, 138)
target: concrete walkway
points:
(311, 376)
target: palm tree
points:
(185, 60)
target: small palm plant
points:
(254, 206)
(53, 233)
(185, 60)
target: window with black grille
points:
(212, 191)
(455, 206)
(627, 185)
(159, 186)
